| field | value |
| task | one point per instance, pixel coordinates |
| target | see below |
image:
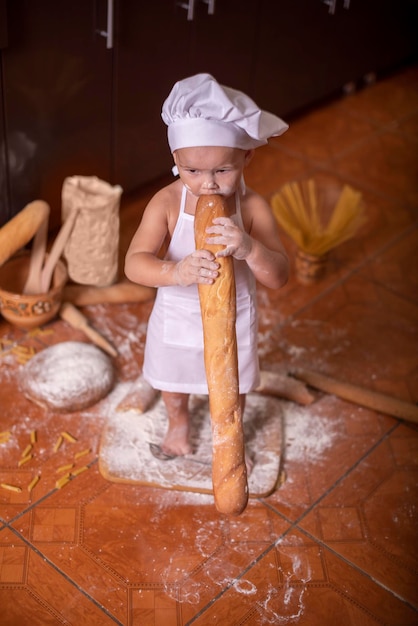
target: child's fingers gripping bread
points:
(218, 308)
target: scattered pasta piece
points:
(80, 470)
(20, 349)
(33, 483)
(68, 437)
(78, 455)
(58, 443)
(39, 331)
(22, 360)
(65, 468)
(11, 487)
(26, 450)
(25, 459)
(5, 436)
(33, 437)
(61, 482)
(23, 353)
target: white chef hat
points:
(201, 112)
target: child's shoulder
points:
(169, 194)
(252, 200)
(165, 197)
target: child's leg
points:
(176, 440)
(242, 399)
(249, 462)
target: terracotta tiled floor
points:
(336, 542)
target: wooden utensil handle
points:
(85, 295)
(358, 395)
(76, 319)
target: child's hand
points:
(237, 242)
(198, 267)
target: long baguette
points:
(17, 232)
(218, 309)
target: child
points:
(212, 132)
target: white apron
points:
(173, 359)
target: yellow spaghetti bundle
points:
(301, 208)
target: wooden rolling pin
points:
(358, 395)
(218, 309)
(18, 231)
(283, 386)
(76, 319)
(125, 291)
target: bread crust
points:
(218, 309)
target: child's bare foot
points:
(176, 441)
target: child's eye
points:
(222, 171)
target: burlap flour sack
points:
(92, 248)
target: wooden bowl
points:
(29, 310)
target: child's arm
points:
(260, 247)
(142, 263)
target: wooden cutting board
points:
(125, 455)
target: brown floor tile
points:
(397, 267)
(325, 133)
(359, 331)
(389, 100)
(300, 581)
(33, 590)
(369, 518)
(271, 168)
(387, 164)
(323, 442)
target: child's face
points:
(212, 169)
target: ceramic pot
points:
(309, 267)
(28, 311)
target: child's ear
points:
(248, 156)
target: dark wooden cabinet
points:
(5, 211)
(73, 103)
(156, 45)
(224, 43)
(152, 43)
(306, 53)
(57, 82)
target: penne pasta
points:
(80, 470)
(68, 437)
(65, 468)
(33, 483)
(9, 487)
(61, 482)
(82, 453)
(26, 450)
(25, 459)
(58, 443)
